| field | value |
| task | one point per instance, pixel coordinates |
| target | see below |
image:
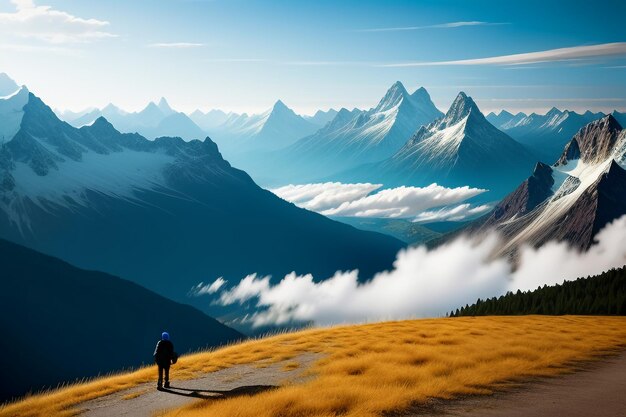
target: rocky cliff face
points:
(570, 201)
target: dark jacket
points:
(164, 353)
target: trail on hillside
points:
(145, 400)
(598, 388)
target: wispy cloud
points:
(314, 63)
(359, 200)
(450, 25)
(46, 24)
(424, 283)
(551, 55)
(235, 60)
(176, 45)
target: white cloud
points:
(426, 282)
(450, 25)
(211, 288)
(176, 45)
(403, 202)
(49, 25)
(552, 55)
(356, 200)
(248, 288)
(324, 196)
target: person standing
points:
(163, 356)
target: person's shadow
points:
(207, 394)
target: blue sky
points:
(243, 55)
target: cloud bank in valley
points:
(424, 283)
(360, 200)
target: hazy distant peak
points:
(164, 106)
(280, 106)
(7, 85)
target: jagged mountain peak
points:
(594, 142)
(151, 107)
(394, 95)
(280, 106)
(101, 124)
(421, 93)
(462, 107)
(577, 199)
(554, 111)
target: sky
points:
(243, 55)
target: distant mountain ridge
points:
(276, 128)
(209, 120)
(320, 118)
(545, 135)
(166, 214)
(155, 120)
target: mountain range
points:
(571, 200)
(276, 128)
(320, 118)
(462, 148)
(166, 214)
(207, 121)
(155, 120)
(544, 135)
(60, 323)
(351, 138)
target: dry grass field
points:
(375, 369)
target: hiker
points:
(164, 356)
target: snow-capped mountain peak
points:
(462, 107)
(583, 191)
(355, 137)
(460, 148)
(11, 113)
(394, 96)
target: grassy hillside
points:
(59, 323)
(375, 369)
(604, 294)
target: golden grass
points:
(374, 369)
(134, 395)
(290, 366)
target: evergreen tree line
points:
(603, 294)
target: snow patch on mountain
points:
(11, 114)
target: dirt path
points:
(597, 390)
(145, 400)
